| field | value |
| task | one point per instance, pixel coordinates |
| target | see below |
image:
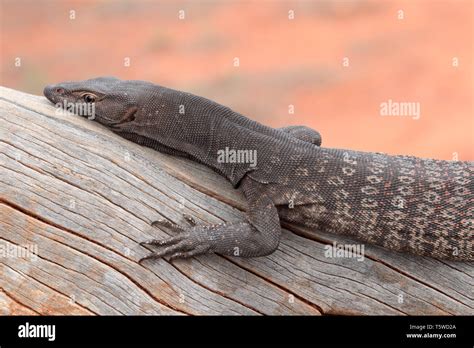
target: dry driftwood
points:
(84, 198)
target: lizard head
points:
(106, 100)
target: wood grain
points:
(84, 198)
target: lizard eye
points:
(89, 98)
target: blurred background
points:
(329, 65)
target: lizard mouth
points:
(48, 92)
(129, 116)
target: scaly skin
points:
(402, 203)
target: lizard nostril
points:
(59, 90)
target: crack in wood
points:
(154, 189)
(39, 218)
(51, 288)
(11, 296)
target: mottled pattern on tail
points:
(403, 203)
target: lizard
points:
(402, 203)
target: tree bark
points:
(77, 199)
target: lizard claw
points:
(167, 224)
(163, 242)
(188, 254)
(189, 219)
(172, 226)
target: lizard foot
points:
(184, 245)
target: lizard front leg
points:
(258, 236)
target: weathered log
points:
(83, 198)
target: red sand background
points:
(282, 61)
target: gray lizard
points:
(403, 203)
